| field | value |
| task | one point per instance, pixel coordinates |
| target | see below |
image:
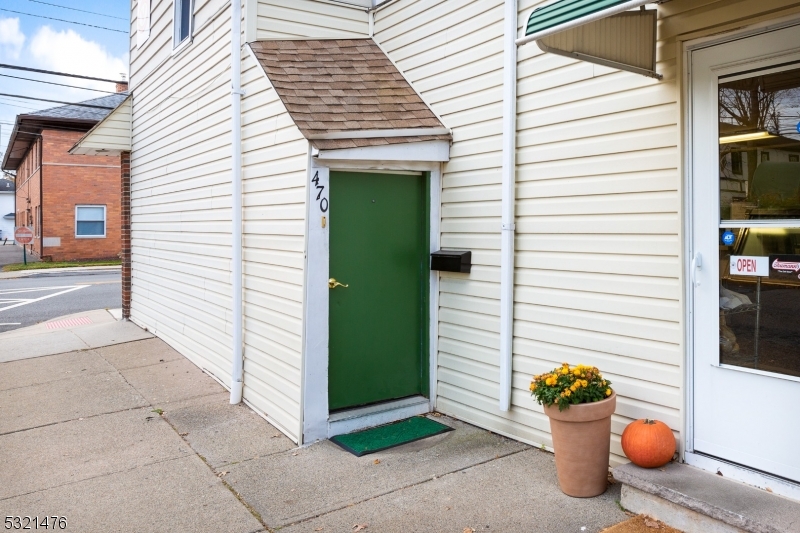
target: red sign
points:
(23, 235)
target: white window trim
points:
(105, 222)
(177, 45)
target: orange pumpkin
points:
(648, 443)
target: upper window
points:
(183, 20)
(90, 221)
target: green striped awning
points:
(564, 14)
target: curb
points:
(26, 273)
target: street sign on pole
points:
(23, 235)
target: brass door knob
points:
(332, 284)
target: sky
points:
(43, 43)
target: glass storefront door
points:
(745, 271)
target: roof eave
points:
(39, 122)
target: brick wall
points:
(28, 186)
(125, 228)
(70, 180)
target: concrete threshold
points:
(697, 501)
(376, 415)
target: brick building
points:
(71, 202)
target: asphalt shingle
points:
(341, 85)
(105, 104)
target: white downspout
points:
(236, 198)
(508, 200)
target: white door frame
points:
(314, 389)
(730, 470)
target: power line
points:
(19, 106)
(61, 20)
(76, 9)
(54, 83)
(53, 72)
(56, 101)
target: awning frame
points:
(601, 61)
(626, 6)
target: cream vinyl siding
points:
(111, 133)
(274, 161)
(598, 247)
(180, 189)
(598, 233)
(452, 52)
(310, 19)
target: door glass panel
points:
(759, 300)
(759, 155)
(759, 146)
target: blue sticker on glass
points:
(728, 238)
(798, 127)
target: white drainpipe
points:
(236, 198)
(508, 200)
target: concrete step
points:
(376, 415)
(697, 501)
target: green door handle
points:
(332, 284)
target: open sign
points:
(742, 265)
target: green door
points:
(378, 323)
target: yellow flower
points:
(568, 393)
(573, 387)
(608, 392)
(585, 383)
(577, 371)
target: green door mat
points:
(384, 437)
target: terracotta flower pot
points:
(582, 438)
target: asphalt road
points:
(50, 294)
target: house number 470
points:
(323, 201)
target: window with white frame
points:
(90, 221)
(183, 20)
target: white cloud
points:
(67, 51)
(11, 38)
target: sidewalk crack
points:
(404, 487)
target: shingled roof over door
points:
(343, 86)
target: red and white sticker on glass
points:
(743, 265)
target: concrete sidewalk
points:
(134, 437)
(81, 331)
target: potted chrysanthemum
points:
(579, 403)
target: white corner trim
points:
(315, 316)
(428, 151)
(372, 134)
(250, 20)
